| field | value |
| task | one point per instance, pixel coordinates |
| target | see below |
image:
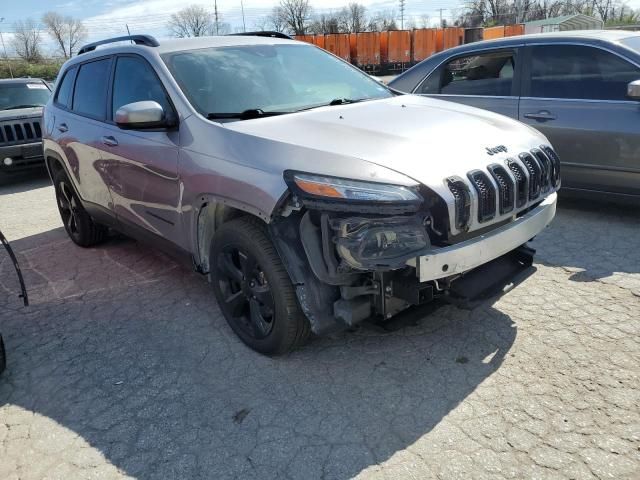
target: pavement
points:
(123, 367)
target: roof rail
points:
(147, 40)
(264, 34)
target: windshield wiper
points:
(15, 107)
(245, 115)
(335, 101)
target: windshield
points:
(23, 95)
(632, 42)
(268, 78)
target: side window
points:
(63, 95)
(135, 81)
(90, 94)
(579, 72)
(488, 74)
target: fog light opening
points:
(8, 161)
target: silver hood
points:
(423, 138)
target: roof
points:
(563, 19)
(20, 80)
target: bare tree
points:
(192, 21)
(295, 14)
(27, 40)
(383, 21)
(67, 32)
(353, 18)
(325, 23)
(277, 20)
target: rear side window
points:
(488, 74)
(90, 95)
(63, 95)
(579, 72)
(135, 81)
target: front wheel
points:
(253, 288)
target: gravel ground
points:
(124, 367)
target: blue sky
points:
(105, 18)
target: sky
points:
(105, 18)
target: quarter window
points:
(135, 81)
(90, 95)
(579, 72)
(66, 87)
(489, 74)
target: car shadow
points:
(595, 241)
(128, 350)
(24, 182)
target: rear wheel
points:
(79, 225)
(253, 288)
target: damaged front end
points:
(350, 248)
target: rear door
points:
(146, 190)
(79, 121)
(576, 96)
(487, 79)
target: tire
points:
(253, 288)
(80, 227)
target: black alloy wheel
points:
(246, 292)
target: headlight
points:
(330, 189)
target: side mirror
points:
(145, 114)
(633, 90)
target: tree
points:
(353, 18)
(67, 32)
(295, 14)
(196, 21)
(325, 23)
(27, 40)
(383, 21)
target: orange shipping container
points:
(319, 41)
(384, 47)
(399, 46)
(452, 37)
(304, 38)
(338, 44)
(424, 43)
(513, 30)
(353, 46)
(368, 48)
(494, 32)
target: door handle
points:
(541, 116)
(63, 127)
(110, 141)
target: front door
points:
(576, 96)
(146, 190)
(487, 79)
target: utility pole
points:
(244, 25)
(5, 50)
(441, 10)
(402, 2)
(215, 12)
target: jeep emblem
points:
(496, 150)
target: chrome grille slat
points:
(535, 174)
(462, 197)
(486, 195)
(506, 188)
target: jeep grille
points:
(20, 132)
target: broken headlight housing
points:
(340, 194)
(379, 243)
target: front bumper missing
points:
(467, 255)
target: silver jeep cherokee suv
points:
(313, 196)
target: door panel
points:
(146, 190)
(78, 127)
(576, 96)
(487, 80)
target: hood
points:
(20, 113)
(423, 138)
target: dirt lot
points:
(123, 366)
